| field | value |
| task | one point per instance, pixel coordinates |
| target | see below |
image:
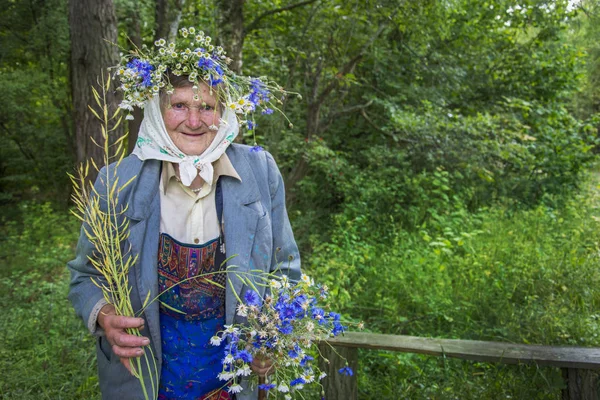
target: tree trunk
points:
(93, 48)
(175, 14)
(134, 31)
(160, 18)
(231, 36)
(167, 17)
(300, 170)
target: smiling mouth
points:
(193, 134)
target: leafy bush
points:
(501, 274)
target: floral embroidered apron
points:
(192, 310)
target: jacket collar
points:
(146, 186)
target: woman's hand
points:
(262, 366)
(124, 345)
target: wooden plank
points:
(582, 384)
(335, 385)
(507, 353)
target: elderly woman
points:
(196, 200)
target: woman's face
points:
(191, 124)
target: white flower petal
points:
(235, 388)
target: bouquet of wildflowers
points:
(285, 328)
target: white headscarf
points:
(155, 143)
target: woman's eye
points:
(207, 107)
(178, 106)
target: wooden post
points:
(262, 394)
(582, 384)
(336, 385)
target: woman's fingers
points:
(120, 338)
(124, 345)
(127, 352)
(121, 322)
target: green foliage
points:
(45, 351)
(522, 151)
(410, 376)
(35, 117)
(500, 274)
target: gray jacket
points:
(256, 227)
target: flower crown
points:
(144, 73)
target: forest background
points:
(439, 173)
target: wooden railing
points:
(580, 365)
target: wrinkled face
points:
(191, 124)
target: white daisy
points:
(225, 376)
(243, 371)
(306, 279)
(275, 284)
(235, 388)
(283, 388)
(242, 310)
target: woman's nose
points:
(194, 119)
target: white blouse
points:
(186, 216)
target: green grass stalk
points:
(107, 229)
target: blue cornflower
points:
(334, 316)
(215, 81)
(322, 291)
(346, 371)
(206, 63)
(282, 300)
(267, 111)
(286, 328)
(299, 301)
(297, 381)
(305, 360)
(143, 69)
(266, 386)
(287, 312)
(293, 353)
(244, 356)
(258, 342)
(258, 92)
(337, 328)
(231, 348)
(251, 125)
(214, 70)
(252, 298)
(256, 149)
(319, 315)
(272, 342)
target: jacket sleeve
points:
(86, 297)
(286, 257)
